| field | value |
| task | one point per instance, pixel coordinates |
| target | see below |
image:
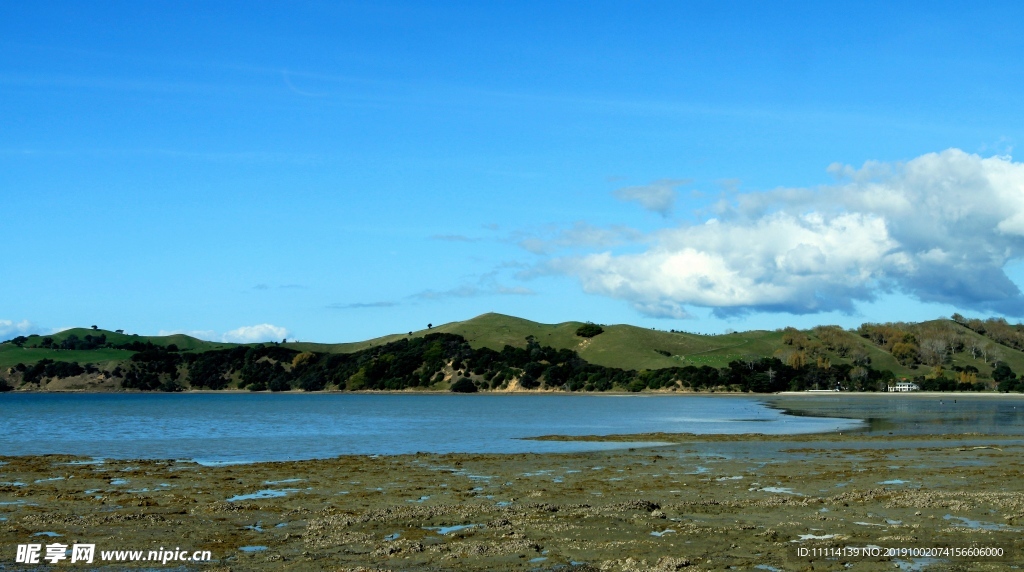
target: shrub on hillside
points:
(464, 385)
(589, 330)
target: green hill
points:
(622, 346)
(32, 351)
(629, 347)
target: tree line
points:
(440, 360)
(446, 360)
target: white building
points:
(904, 386)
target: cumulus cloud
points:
(12, 329)
(940, 227)
(257, 333)
(242, 335)
(659, 196)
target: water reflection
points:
(904, 414)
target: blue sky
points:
(337, 171)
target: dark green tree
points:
(589, 330)
(464, 385)
(1004, 376)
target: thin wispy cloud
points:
(360, 305)
(940, 228)
(472, 291)
(453, 238)
(580, 235)
(486, 285)
(659, 196)
(303, 92)
(236, 157)
(280, 287)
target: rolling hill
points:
(630, 347)
(11, 354)
(620, 346)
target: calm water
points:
(916, 414)
(265, 427)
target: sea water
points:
(239, 427)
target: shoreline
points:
(646, 393)
(641, 441)
(645, 441)
(957, 394)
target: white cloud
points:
(253, 334)
(780, 260)
(659, 196)
(242, 335)
(940, 227)
(12, 329)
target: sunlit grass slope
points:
(181, 340)
(11, 355)
(630, 347)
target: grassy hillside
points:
(1012, 357)
(183, 342)
(620, 346)
(11, 354)
(348, 347)
(630, 347)
(625, 346)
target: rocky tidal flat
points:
(702, 503)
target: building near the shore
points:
(904, 386)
